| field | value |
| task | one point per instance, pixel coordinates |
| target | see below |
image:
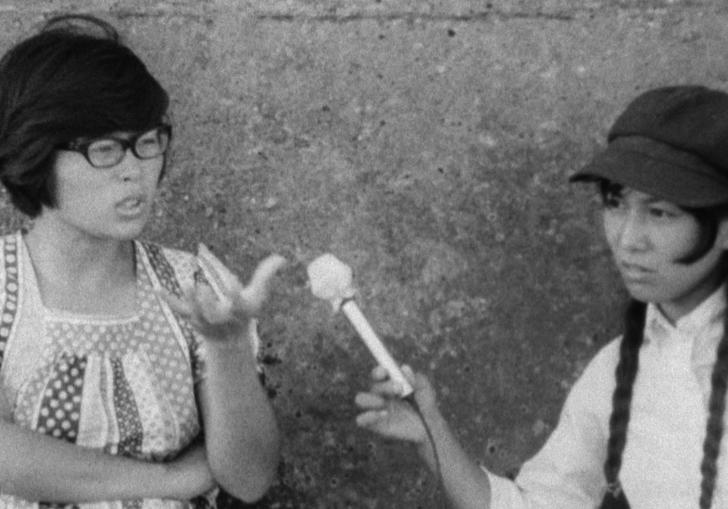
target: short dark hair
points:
(73, 79)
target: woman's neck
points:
(81, 273)
(675, 310)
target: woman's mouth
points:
(633, 271)
(132, 206)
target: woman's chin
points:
(643, 292)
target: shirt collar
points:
(708, 313)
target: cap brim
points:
(688, 182)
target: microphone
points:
(331, 280)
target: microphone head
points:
(330, 279)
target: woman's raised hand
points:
(218, 305)
(386, 413)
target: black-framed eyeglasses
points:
(109, 151)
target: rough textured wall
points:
(426, 143)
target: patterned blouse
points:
(123, 385)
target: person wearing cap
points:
(643, 425)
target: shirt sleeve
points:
(567, 473)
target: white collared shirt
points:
(661, 461)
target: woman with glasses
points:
(115, 354)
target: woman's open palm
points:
(218, 306)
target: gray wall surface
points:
(428, 145)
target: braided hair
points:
(626, 372)
(714, 428)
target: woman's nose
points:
(631, 233)
(131, 166)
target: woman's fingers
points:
(249, 298)
(379, 373)
(424, 393)
(217, 305)
(177, 304)
(226, 280)
(209, 307)
(368, 401)
(265, 271)
(393, 420)
(387, 388)
(371, 418)
(199, 305)
(257, 290)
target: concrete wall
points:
(427, 144)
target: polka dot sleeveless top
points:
(121, 385)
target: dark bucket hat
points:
(671, 143)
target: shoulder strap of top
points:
(9, 295)
(165, 274)
(162, 268)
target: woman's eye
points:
(149, 139)
(104, 147)
(660, 213)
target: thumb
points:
(258, 288)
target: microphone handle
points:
(375, 345)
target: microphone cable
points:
(438, 492)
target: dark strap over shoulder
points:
(165, 274)
(162, 268)
(11, 289)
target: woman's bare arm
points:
(36, 467)
(241, 434)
